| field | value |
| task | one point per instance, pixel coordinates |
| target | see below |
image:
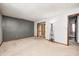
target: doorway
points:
(41, 30)
(72, 30)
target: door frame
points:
(68, 27)
(38, 26)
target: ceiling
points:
(34, 11)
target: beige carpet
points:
(37, 47)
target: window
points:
(73, 27)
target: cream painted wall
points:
(60, 26)
(60, 29)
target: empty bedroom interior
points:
(39, 29)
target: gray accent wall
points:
(14, 28)
(0, 29)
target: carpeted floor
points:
(37, 47)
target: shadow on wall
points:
(0, 29)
